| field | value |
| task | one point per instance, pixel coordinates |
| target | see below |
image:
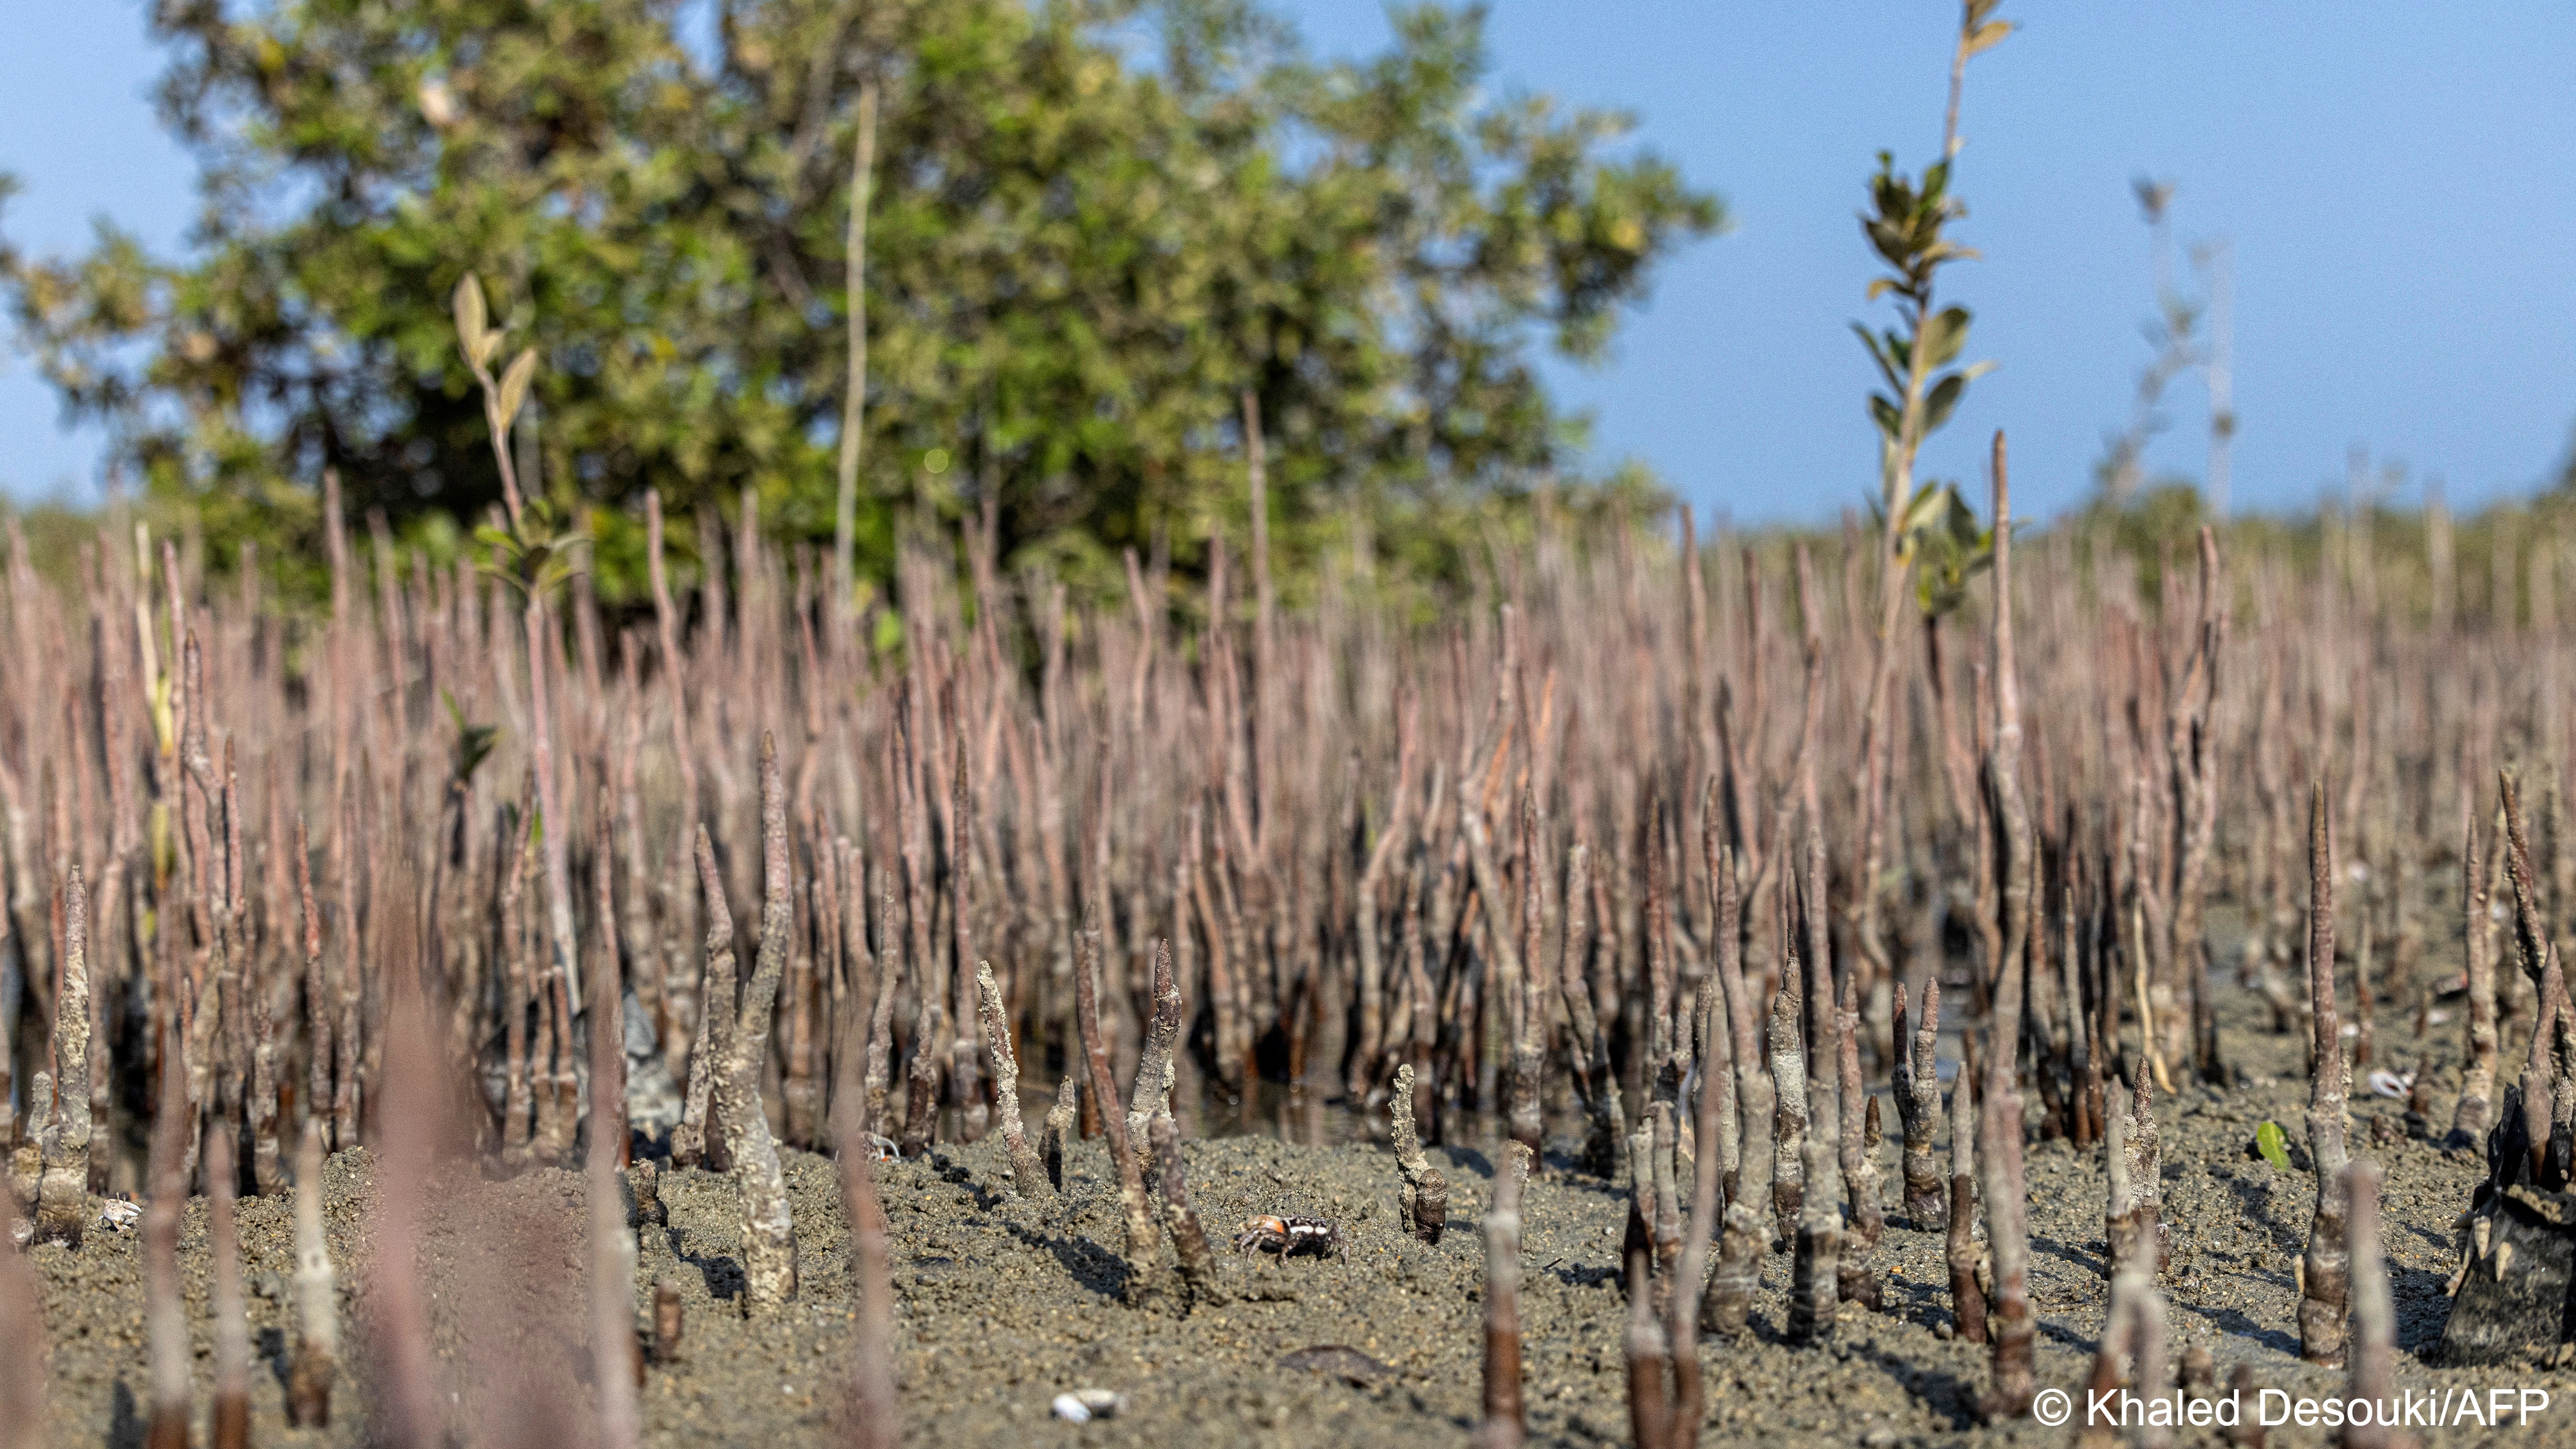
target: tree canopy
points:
(1094, 226)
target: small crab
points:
(119, 1215)
(1288, 1236)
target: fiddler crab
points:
(1289, 1236)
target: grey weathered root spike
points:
(1189, 1236)
(1918, 1108)
(62, 1192)
(1504, 1418)
(1967, 1297)
(2374, 1313)
(1028, 1174)
(2469, 1120)
(871, 1422)
(1728, 1299)
(760, 1187)
(231, 1423)
(1144, 1251)
(2324, 1281)
(1423, 1202)
(1858, 1282)
(1151, 1092)
(317, 1294)
(1789, 1114)
(1815, 1267)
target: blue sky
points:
(2393, 187)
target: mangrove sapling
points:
(1906, 228)
(1504, 1423)
(1729, 1296)
(2374, 1314)
(230, 1428)
(1189, 1236)
(871, 1419)
(1144, 1251)
(1967, 1296)
(2324, 1271)
(62, 1192)
(1152, 1089)
(1422, 1203)
(316, 1358)
(2478, 1072)
(1028, 1174)
(1918, 1108)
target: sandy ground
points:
(1003, 1304)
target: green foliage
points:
(2274, 1145)
(1077, 263)
(474, 742)
(1940, 539)
(1907, 225)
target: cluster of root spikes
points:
(1659, 847)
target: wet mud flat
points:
(1003, 1304)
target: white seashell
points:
(2391, 1084)
(1084, 1405)
(2437, 1017)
